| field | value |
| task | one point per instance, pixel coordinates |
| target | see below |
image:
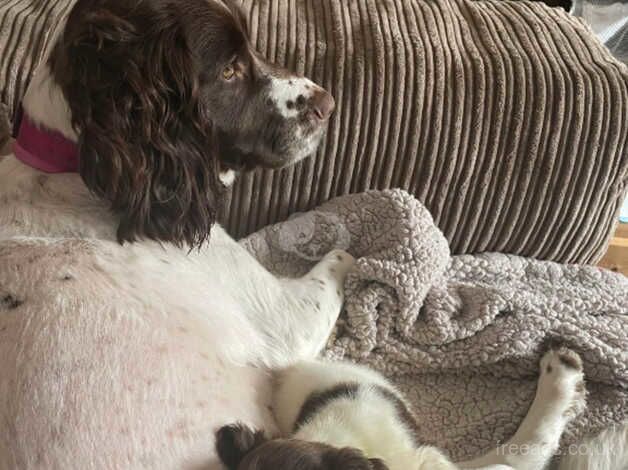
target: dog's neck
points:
(44, 101)
(46, 106)
(47, 109)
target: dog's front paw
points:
(330, 272)
(562, 380)
(338, 262)
(326, 281)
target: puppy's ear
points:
(378, 464)
(145, 142)
(351, 459)
(234, 441)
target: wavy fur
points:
(132, 84)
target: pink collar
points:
(45, 149)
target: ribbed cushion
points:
(26, 27)
(507, 119)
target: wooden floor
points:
(616, 258)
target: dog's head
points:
(166, 94)
(240, 448)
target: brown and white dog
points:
(129, 321)
(345, 417)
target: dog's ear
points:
(348, 458)
(145, 143)
(234, 441)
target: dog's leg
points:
(297, 322)
(323, 289)
(560, 396)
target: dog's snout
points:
(322, 104)
(300, 111)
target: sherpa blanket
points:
(462, 336)
(508, 119)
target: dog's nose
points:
(322, 104)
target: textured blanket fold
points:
(462, 335)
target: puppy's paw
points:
(562, 380)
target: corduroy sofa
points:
(507, 119)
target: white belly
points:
(94, 375)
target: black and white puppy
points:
(343, 416)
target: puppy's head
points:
(240, 448)
(166, 94)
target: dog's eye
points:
(228, 72)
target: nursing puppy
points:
(343, 416)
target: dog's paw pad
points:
(562, 378)
(569, 359)
(561, 361)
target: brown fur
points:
(240, 448)
(155, 116)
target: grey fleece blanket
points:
(462, 335)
